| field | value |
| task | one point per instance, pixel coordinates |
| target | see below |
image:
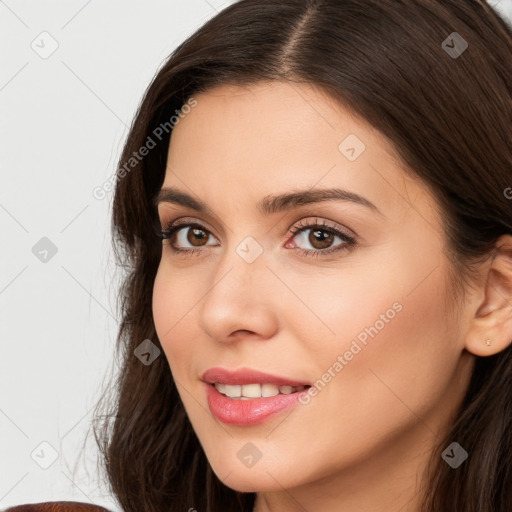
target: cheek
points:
(172, 304)
(397, 356)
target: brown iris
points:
(321, 236)
(196, 234)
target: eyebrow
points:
(272, 203)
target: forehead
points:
(275, 136)
(275, 112)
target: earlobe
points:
(490, 331)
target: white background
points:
(63, 121)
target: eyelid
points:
(167, 225)
(307, 223)
(172, 210)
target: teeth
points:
(269, 390)
(248, 391)
(232, 390)
(251, 390)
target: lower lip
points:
(248, 412)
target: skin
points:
(373, 426)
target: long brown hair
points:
(449, 117)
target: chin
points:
(243, 479)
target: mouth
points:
(250, 410)
(247, 397)
(255, 390)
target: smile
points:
(251, 391)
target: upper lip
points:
(247, 376)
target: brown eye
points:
(189, 238)
(183, 236)
(196, 236)
(322, 239)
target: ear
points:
(490, 331)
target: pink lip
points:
(248, 412)
(247, 376)
(252, 411)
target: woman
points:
(317, 313)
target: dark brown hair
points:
(449, 118)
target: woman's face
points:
(367, 325)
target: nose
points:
(241, 300)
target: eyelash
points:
(349, 241)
